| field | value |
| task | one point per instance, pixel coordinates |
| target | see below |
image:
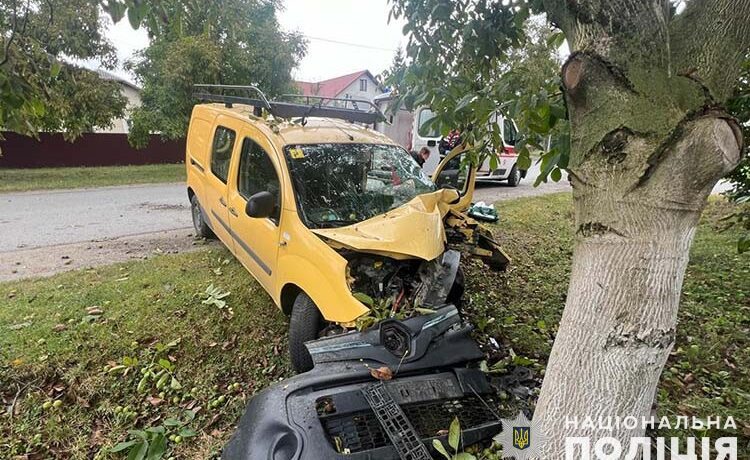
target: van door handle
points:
(233, 212)
(222, 202)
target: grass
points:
(20, 180)
(52, 348)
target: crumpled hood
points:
(413, 230)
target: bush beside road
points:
(64, 338)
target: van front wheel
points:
(304, 325)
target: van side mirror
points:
(260, 205)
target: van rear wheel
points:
(305, 325)
(514, 178)
(199, 222)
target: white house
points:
(360, 85)
(132, 93)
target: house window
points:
(363, 84)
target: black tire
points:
(304, 325)
(200, 225)
(514, 178)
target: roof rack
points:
(292, 105)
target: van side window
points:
(221, 152)
(257, 174)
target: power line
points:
(357, 45)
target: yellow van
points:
(333, 219)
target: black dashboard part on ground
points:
(323, 413)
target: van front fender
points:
(328, 289)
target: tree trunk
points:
(649, 140)
(619, 322)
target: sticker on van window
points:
(297, 153)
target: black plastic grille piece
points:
(361, 431)
(395, 423)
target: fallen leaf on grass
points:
(82, 402)
(229, 344)
(382, 373)
(154, 401)
(18, 326)
(59, 328)
(213, 420)
(94, 310)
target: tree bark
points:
(649, 140)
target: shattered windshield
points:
(342, 184)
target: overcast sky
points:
(344, 36)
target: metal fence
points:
(92, 149)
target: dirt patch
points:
(163, 206)
(49, 260)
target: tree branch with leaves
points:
(642, 126)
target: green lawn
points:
(52, 348)
(15, 180)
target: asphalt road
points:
(46, 218)
(47, 232)
(36, 219)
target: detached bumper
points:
(324, 413)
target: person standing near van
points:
(421, 156)
(449, 142)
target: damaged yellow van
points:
(336, 221)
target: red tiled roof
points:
(332, 87)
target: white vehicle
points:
(407, 128)
(506, 167)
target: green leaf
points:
(493, 162)
(136, 13)
(438, 446)
(464, 456)
(524, 161)
(454, 434)
(364, 298)
(115, 9)
(466, 100)
(188, 433)
(157, 448)
(139, 451)
(556, 175)
(123, 445)
(170, 422)
(175, 384)
(54, 70)
(156, 429)
(166, 364)
(141, 434)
